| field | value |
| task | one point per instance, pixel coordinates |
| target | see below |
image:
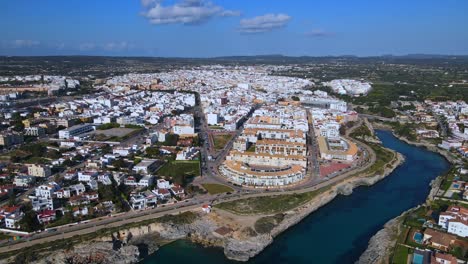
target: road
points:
(209, 174)
(313, 164)
(136, 216)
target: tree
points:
(37, 150)
(152, 151)
(119, 163)
(342, 130)
(53, 154)
(29, 222)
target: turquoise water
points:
(338, 232)
(418, 237)
(417, 258)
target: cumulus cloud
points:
(319, 33)
(109, 46)
(19, 43)
(116, 46)
(263, 23)
(86, 46)
(184, 12)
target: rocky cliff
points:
(381, 244)
(99, 252)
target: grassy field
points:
(180, 171)
(251, 148)
(384, 157)
(269, 204)
(266, 224)
(401, 255)
(220, 141)
(214, 188)
(216, 127)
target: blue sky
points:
(207, 28)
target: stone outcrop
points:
(243, 250)
(381, 244)
(99, 252)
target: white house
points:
(146, 181)
(188, 153)
(146, 166)
(163, 184)
(162, 194)
(24, 180)
(70, 175)
(451, 213)
(41, 203)
(121, 151)
(130, 181)
(11, 215)
(86, 176)
(47, 191)
(458, 227)
(143, 200)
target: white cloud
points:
(87, 46)
(109, 46)
(20, 43)
(184, 12)
(116, 46)
(263, 23)
(146, 3)
(319, 33)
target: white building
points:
(11, 215)
(24, 180)
(87, 176)
(458, 227)
(163, 184)
(146, 181)
(122, 151)
(41, 203)
(212, 119)
(146, 166)
(188, 153)
(75, 131)
(162, 135)
(47, 191)
(455, 220)
(143, 200)
(34, 131)
(39, 170)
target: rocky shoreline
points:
(239, 245)
(293, 217)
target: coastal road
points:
(92, 227)
(137, 216)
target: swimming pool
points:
(418, 237)
(456, 186)
(417, 258)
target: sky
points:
(210, 28)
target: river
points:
(338, 232)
